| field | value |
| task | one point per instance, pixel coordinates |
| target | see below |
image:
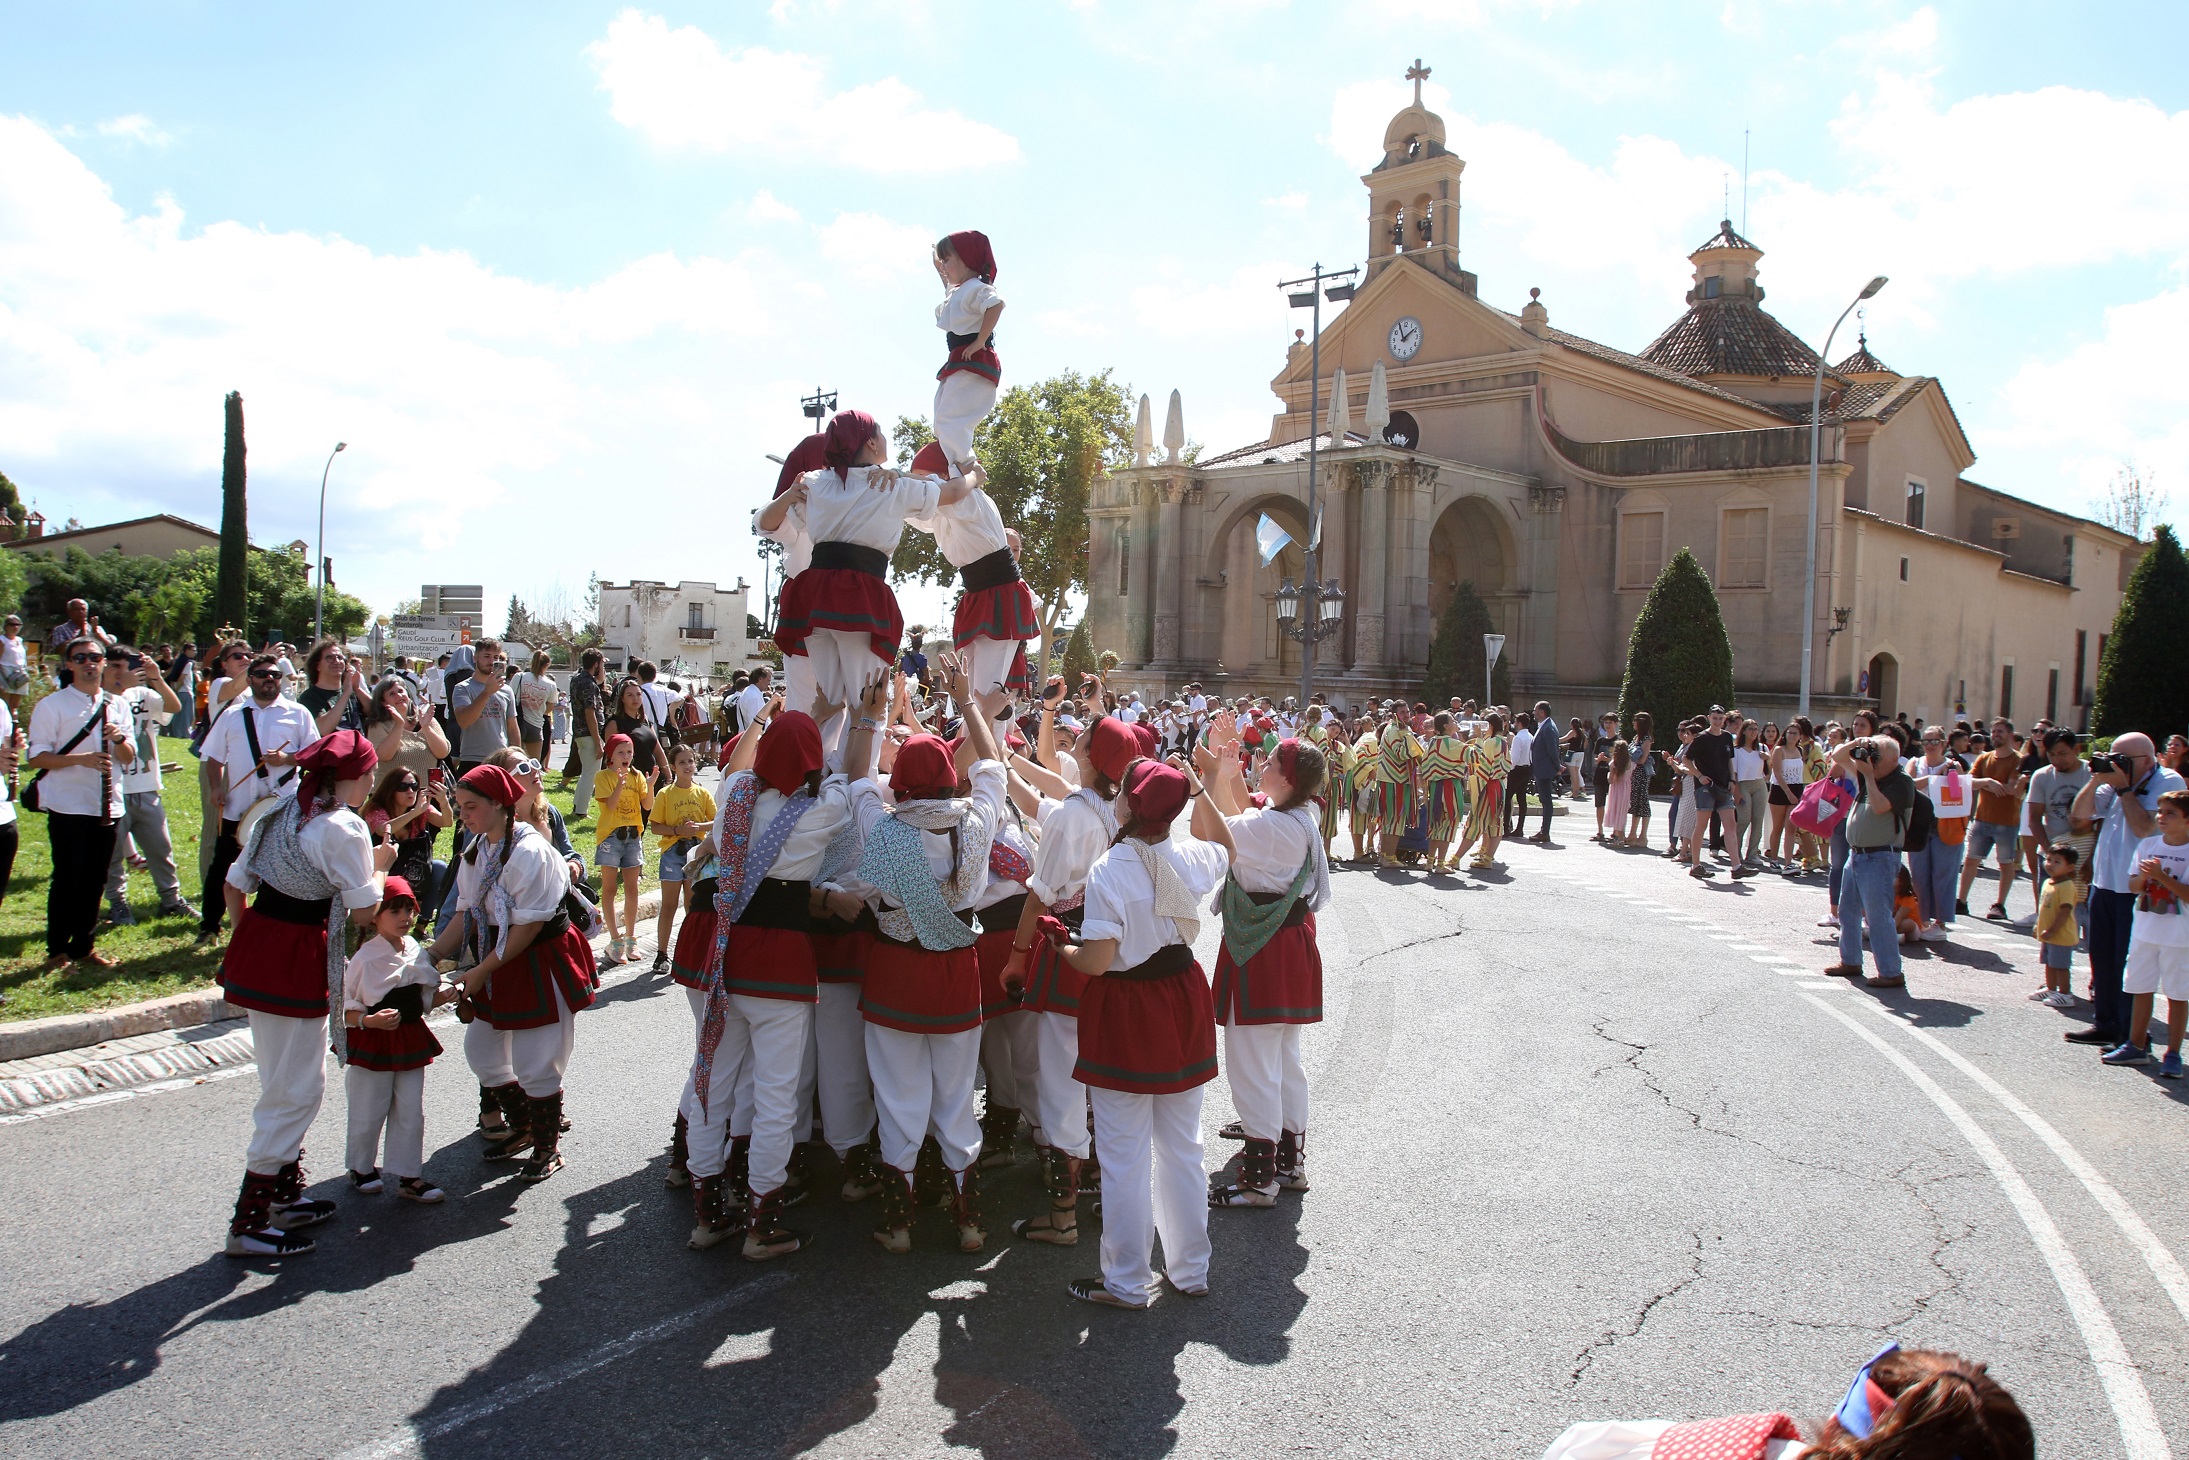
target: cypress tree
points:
(1456, 654)
(2140, 682)
(1079, 657)
(228, 595)
(1679, 661)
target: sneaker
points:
(367, 1182)
(179, 909)
(1703, 873)
(119, 915)
(1743, 870)
(1829, 920)
(2042, 996)
(1934, 932)
(2059, 999)
(1961, 906)
(2125, 1054)
(2170, 1067)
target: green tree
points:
(1042, 448)
(2140, 683)
(232, 586)
(14, 582)
(11, 500)
(1457, 652)
(1679, 661)
(1079, 657)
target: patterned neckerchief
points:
(743, 864)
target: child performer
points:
(534, 970)
(772, 832)
(967, 382)
(1269, 973)
(387, 992)
(1074, 835)
(1147, 1038)
(839, 614)
(307, 860)
(924, 867)
(995, 616)
(783, 522)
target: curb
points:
(74, 1082)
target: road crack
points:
(1613, 1336)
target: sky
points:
(560, 273)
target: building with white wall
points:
(686, 628)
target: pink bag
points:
(1823, 806)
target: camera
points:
(2104, 765)
(1864, 753)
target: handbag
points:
(1824, 805)
(29, 799)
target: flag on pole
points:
(1270, 538)
(1315, 533)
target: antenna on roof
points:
(1744, 180)
(1725, 195)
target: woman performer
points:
(966, 386)
(303, 858)
(924, 867)
(1487, 763)
(1361, 803)
(995, 614)
(772, 833)
(1269, 973)
(1443, 773)
(1147, 1038)
(1337, 791)
(534, 970)
(1397, 798)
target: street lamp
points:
(319, 596)
(1327, 602)
(1816, 431)
(1327, 613)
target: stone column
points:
(1168, 565)
(1139, 574)
(1330, 562)
(1406, 624)
(1539, 641)
(1366, 599)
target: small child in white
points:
(967, 383)
(2158, 940)
(387, 991)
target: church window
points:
(1744, 535)
(1711, 286)
(1915, 501)
(1124, 559)
(1641, 548)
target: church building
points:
(1462, 442)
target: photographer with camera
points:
(2122, 795)
(1884, 799)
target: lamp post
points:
(1318, 621)
(319, 596)
(1816, 432)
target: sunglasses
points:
(236, 654)
(265, 674)
(87, 658)
(526, 767)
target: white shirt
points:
(1635, 1439)
(967, 530)
(802, 853)
(534, 881)
(2159, 917)
(54, 721)
(1747, 764)
(147, 712)
(846, 509)
(1951, 795)
(1073, 835)
(1129, 713)
(791, 533)
(7, 797)
(337, 843)
(436, 683)
(1270, 846)
(867, 804)
(1121, 895)
(749, 701)
(999, 890)
(11, 654)
(960, 313)
(1522, 748)
(283, 725)
(378, 968)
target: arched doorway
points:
(1469, 545)
(1885, 684)
(1251, 642)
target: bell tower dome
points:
(1413, 194)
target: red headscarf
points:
(494, 783)
(848, 434)
(729, 748)
(1154, 795)
(789, 752)
(1112, 746)
(397, 889)
(924, 769)
(342, 756)
(1145, 733)
(973, 251)
(933, 460)
(810, 454)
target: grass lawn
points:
(159, 956)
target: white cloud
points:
(1291, 202)
(873, 247)
(680, 89)
(135, 127)
(766, 207)
(1915, 36)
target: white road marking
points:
(1820, 984)
(2124, 1389)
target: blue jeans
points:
(1837, 861)
(1868, 897)
(1936, 870)
(1546, 791)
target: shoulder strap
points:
(258, 757)
(98, 713)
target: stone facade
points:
(688, 628)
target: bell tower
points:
(1413, 194)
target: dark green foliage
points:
(1456, 654)
(2141, 683)
(157, 600)
(11, 500)
(231, 588)
(1079, 657)
(1679, 662)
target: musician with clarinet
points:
(79, 737)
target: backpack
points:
(1823, 806)
(1922, 823)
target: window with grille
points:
(1743, 547)
(1641, 548)
(1124, 559)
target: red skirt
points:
(405, 1047)
(842, 956)
(843, 599)
(276, 967)
(771, 963)
(983, 363)
(1147, 1036)
(994, 951)
(521, 995)
(694, 945)
(1005, 611)
(919, 991)
(1282, 984)
(1052, 985)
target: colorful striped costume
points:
(1443, 769)
(1487, 763)
(1360, 784)
(1396, 800)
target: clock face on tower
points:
(1406, 339)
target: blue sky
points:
(560, 272)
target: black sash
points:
(1004, 914)
(779, 903)
(992, 571)
(965, 917)
(408, 999)
(958, 342)
(1071, 917)
(1170, 959)
(871, 561)
(307, 912)
(549, 932)
(830, 926)
(1294, 918)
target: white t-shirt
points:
(7, 798)
(1747, 764)
(147, 712)
(436, 683)
(2159, 916)
(1952, 796)
(960, 313)
(749, 702)
(535, 696)
(1129, 713)
(11, 654)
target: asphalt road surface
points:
(1590, 1141)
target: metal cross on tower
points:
(1417, 73)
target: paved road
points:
(1591, 1141)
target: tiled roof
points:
(1862, 362)
(1725, 237)
(1730, 337)
(1636, 362)
(1873, 400)
(1263, 453)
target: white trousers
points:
(847, 1095)
(961, 399)
(923, 1083)
(1009, 1049)
(534, 1058)
(991, 663)
(841, 664)
(390, 1099)
(1060, 1101)
(734, 1077)
(770, 1035)
(1268, 1082)
(1151, 1147)
(292, 1079)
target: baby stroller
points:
(1413, 847)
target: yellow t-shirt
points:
(2056, 912)
(682, 803)
(624, 799)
